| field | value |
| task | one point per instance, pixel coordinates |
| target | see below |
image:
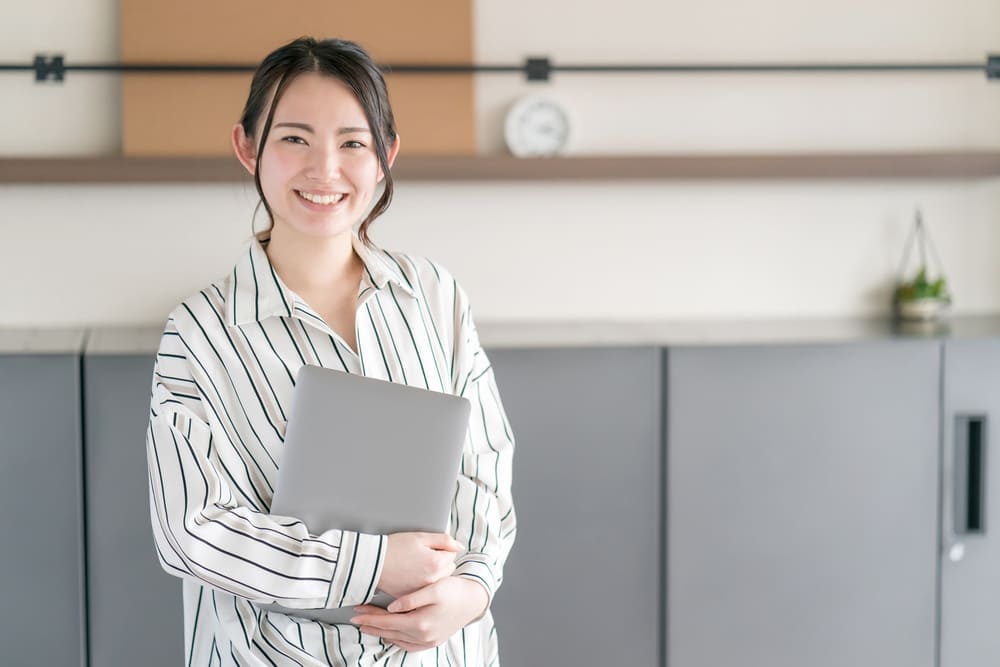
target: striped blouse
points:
(221, 387)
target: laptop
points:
(367, 455)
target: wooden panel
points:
(435, 114)
(181, 114)
(191, 114)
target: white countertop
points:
(42, 341)
(497, 335)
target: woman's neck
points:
(308, 264)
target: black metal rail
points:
(53, 67)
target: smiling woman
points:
(319, 138)
(318, 155)
(343, 93)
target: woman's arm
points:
(482, 519)
(202, 532)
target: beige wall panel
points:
(435, 114)
(180, 114)
(169, 114)
(193, 114)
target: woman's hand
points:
(416, 560)
(428, 617)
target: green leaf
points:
(921, 288)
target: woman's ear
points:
(243, 146)
(390, 157)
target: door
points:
(802, 505)
(135, 608)
(970, 568)
(581, 585)
(41, 511)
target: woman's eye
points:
(294, 140)
(354, 144)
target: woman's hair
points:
(342, 60)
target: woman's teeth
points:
(321, 199)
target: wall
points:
(116, 254)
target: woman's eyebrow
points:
(300, 126)
(309, 128)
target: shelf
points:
(946, 165)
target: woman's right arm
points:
(202, 533)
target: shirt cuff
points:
(359, 566)
(476, 566)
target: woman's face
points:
(319, 171)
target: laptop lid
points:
(368, 455)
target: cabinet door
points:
(41, 512)
(135, 608)
(802, 505)
(970, 570)
(581, 586)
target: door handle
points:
(969, 482)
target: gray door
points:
(581, 586)
(802, 505)
(970, 570)
(135, 611)
(41, 512)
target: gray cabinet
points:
(802, 505)
(135, 611)
(581, 586)
(777, 506)
(42, 617)
(970, 569)
(586, 487)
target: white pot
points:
(921, 309)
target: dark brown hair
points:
(340, 59)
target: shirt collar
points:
(256, 292)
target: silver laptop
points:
(367, 455)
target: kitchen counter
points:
(500, 335)
(42, 340)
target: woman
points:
(318, 136)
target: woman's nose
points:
(324, 165)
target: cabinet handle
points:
(970, 475)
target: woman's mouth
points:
(321, 200)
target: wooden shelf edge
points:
(705, 167)
(941, 165)
(114, 169)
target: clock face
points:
(536, 126)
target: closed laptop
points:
(368, 455)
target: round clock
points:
(536, 126)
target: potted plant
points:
(920, 298)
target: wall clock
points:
(536, 126)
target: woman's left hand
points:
(427, 617)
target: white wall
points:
(115, 254)
(750, 112)
(80, 116)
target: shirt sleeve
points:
(201, 532)
(482, 517)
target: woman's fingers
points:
(444, 542)
(415, 560)
(382, 620)
(369, 609)
(416, 628)
(419, 598)
(427, 617)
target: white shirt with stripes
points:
(222, 383)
